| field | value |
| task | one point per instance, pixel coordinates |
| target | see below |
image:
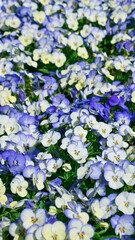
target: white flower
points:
(37, 54)
(39, 16)
(66, 167)
(57, 230)
(72, 22)
(78, 130)
(5, 96)
(52, 210)
(29, 61)
(129, 176)
(75, 41)
(12, 126)
(62, 202)
(46, 57)
(44, 2)
(82, 52)
(26, 39)
(53, 165)
(116, 140)
(29, 217)
(96, 210)
(119, 14)
(86, 30)
(58, 58)
(78, 151)
(19, 185)
(3, 197)
(126, 202)
(12, 21)
(104, 129)
(50, 138)
(133, 97)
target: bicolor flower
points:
(123, 225)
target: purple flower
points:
(16, 161)
(113, 100)
(50, 85)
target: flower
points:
(66, 167)
(19, 185)
(3, 197)
(26, 39)
(126, 202)
(117, 155)
(113, 174)
(104, 129)
(78, 230)
(62, 202)
(79, 131)
(39, 16)
(123, 225)
(82, 52)
(16, 230)
(38, 178)
(53, 165)
(129, 176)
(58, 58)
(30, 217)
(75, 41)
(12, 21)
(76, 212)
(50, 138)
(77, 151)
(57, 230)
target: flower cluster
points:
(67, 119)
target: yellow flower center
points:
(49, 140)
(122, 229)
(115, 178)
(16, 163)
(126, 204)
(108, 209)
(76, 152)
(3, 71)
(34, 220)
(80, 235)
(19, 188)
(117, 158)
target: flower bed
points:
(67, 119)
